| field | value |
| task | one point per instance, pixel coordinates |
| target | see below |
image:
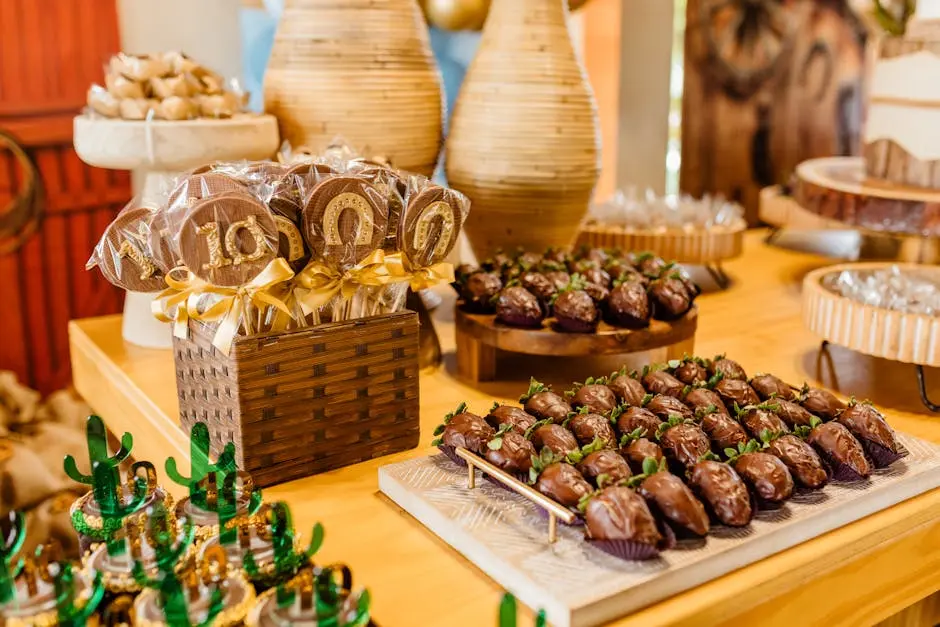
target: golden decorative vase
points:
(360, 70)
(524, 142)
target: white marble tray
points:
(505, 535)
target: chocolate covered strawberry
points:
(759, 418)
(597, 276)
(682, 440)
(618, 520)
(669, 298)
(599, 465)
(479, 290)
(542, 403)
(632, 418)
(588, 426)
(497, 263)
(838, 448)
(728, 368)
(557, 274)
(792, 413)
(664, 406)
(637, 446)
(820, 402)
(518, 307)
(575, 311)
(628, 304)
(510, 451)
(699, 398)
(519, 419)
(649, 264)
(800, 458)
(626, 387)
(723, 491)
(768, 477)
(668, 495)
(547, 434)
(658, 381)
(768, 386)
(462, 429)
(593, 394)
(871, 430)
(558, 480)
(689, 370)
(735, 392)
(723, 430)
(539, 285)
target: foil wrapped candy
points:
(633, 209)
(895, 288)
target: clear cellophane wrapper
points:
(163, 86)
(256, 247)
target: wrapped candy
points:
(167, 86)
(632, 210)
(253, 247)
(896, 288)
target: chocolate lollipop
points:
(124, 255)
(228, 239)
(344, 221)
(431, 225)
(393, 185)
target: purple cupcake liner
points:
(451, 453)
(837, 470)
(881, 456)
(669, 540)
(627, 549)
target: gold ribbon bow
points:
(399, 266)
(229, 309)
(319, 283)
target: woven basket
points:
(303, 402)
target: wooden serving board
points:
(480, 337)
(504, 535)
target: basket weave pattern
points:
(303, 402)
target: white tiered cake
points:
(902, 130)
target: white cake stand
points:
(160, 150)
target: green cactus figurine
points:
(319, 591)
(200, 466)
(168, 550)
(227, 505)
(69, 614)
(507, 613)
(287, 561)
(105, 480)
(11, 545)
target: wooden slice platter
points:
(837, 188)
(876, 331)
(480, 337)
(700, 247)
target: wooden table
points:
(857, 575)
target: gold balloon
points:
(457, 14)
(466, 14)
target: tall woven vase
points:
(361, 70)
(524, 142)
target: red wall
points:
(51, 51)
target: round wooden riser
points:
(480, 338)
(704, 247)
(837, 188)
